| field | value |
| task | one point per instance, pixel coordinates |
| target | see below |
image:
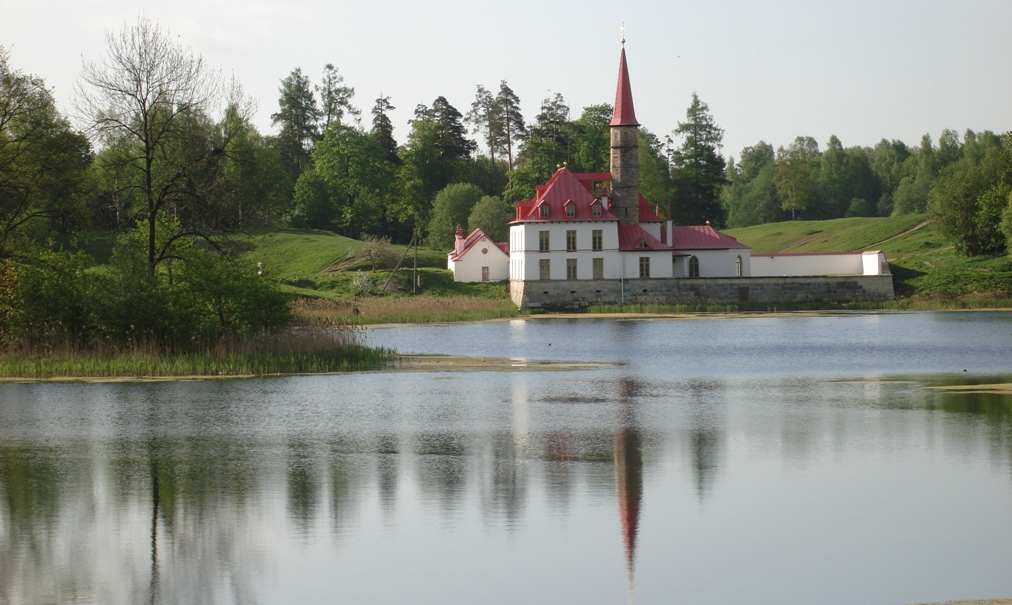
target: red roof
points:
(625, 114)
(465, 244)
(646, 214)
(575, 187)
(631, 236)
(564, 187)
(702, 237)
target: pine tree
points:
(699, 167)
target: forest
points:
(171, 164)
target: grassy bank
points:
(405, 309)
(296, 352)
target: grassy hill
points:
(924, 264)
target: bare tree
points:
(153, 98)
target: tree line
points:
(170, 161)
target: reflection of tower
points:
(629, 489)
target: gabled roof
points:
(625, 114)
(470, 241)
(646, 214)
(630, 237)
(702, 237)
(562, 188)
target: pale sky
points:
(769, 69)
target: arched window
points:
(693, 266)
(737, 266)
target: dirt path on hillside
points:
(907, 232)
(810, 238)
(815, 236)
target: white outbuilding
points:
(477, 258)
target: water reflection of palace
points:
(189, 515)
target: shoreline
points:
(403, 363)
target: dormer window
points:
(595, 209)
(643, 244)
(570, 210)
(544, 211)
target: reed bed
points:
(292, 352)
(402, 309)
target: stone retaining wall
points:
(582, 293)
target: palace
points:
(591, 238)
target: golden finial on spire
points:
(623, 34)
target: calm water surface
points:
(754, 460)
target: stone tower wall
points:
(625, 174)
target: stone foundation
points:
(582, 293)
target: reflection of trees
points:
(505, 490)
(387, 455)
(706, 434)
(441, 467)
(303, 485)
(995, 408)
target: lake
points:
(788, 459)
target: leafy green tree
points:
(887, 161)
(150, 97)
(43, 165)
(335, 97)
(590, 140)
(698, 167)
(750, 196)
(255, 185)
(1006, 224)
(314, 205)
(969, 198)
(299, 119)
(793, 178)
(492, 215)
(451, 207)
(655, 175)
(361, 180)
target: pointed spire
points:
(625, 114)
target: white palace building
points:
(591, 238)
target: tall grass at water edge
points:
(291, 352)
(403, 309)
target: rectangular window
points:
(484, 274)
(598, 268)
(597, 209)
(644, 266)
(543, 242)
(570, 210)
(570, 268)
(544, 269)
(544, 211)
(571, 240)
(597, 238)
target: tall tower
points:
(625, 164)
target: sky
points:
(770, 70)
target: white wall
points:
(525, 241)
(660, 263)
(796, 265)
(714, 263)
